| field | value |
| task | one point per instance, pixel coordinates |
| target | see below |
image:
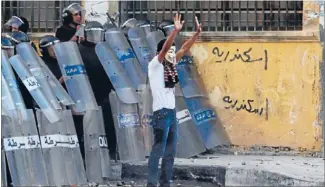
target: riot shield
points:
(123, 51)
(23, 151)
(96, 147)
(6, 97)
(202, 113)
(58, 147)
(75, 76)
(153, 39)
(56, 86)
(188, 135)
(207, 122)
(30, 57)
(145, 113)
(75, 170)
(28, 54)
(189, 78)
(9, 75)
(128, 130)
(116, 73)
(34, 88)
(5, 119)
(3, 167)
(141, 47)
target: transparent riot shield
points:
(75, 76)
(188, 135)
(126, 56)
(23, 150)
(9, 75)
(145, 113)
(6, 97)
(30, 57)
(189, 78)
(207, 122)
(55, 85)
(5, 119)
(141, 47)
(34, 88)
(75, 170)
(97, 158)
(153, 39)
(58, 145)
(116, 73)
(202, 113)
(129, 133)
(3, 168)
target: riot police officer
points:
(100, 83)
(16, 23)
(46, 46)
(71, 19)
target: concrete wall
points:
(265, 93)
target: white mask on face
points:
(171, 55)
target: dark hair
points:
(161, 44)
(25, 26)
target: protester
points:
(163, 78)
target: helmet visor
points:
(14, 21)
(168, 29)
(75, 8)
(95, 35)
(50, 43)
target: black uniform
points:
(53, 65)
(101, 86)
(65, 33)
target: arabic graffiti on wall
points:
(246, 105)
(242, 55)
(287, 94)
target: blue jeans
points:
(165, 142)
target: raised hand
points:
(178, 24)
(198, 25)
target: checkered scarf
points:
(170, 74)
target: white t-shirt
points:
(162, 97)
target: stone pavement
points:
(232, 170)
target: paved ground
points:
(230, 170)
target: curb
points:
(220, 175)
(211, 174)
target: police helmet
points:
(94, 32)
(146, 25)
(45, 42)
(69, 11)
(166, 26)
(18, 22)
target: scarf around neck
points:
(170, 74)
